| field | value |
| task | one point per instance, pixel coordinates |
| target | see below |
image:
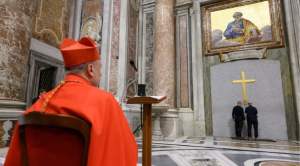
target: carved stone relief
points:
(91, 27)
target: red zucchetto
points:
(76, 53)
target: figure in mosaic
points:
(242, 30)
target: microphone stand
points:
(122, 97)
(140, 127)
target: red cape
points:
(112, 142)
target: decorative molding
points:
(40, 21)
(238, 55)
(11, 109)
(4, 104)
(183, 5)
(185, 110)
(40, 59)
(147, 2)
(46, 59)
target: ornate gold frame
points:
(276, 24)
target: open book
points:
(252, 39)
(159, 97)
(145, 99)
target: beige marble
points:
(157, 134)
(164, 51)
(274, 163)
(16, 27)
(184, 85)
(171, 127)
(51, 22)
(259, 146)
(115, 48)
(2, 132)
(132, 52)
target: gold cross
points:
(244, 81)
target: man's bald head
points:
(239, 103)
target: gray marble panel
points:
(162, 160)
(149, 52)
(188, 123)
(240, 159)
(171, 127)
(266, 94)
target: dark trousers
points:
(238, 126)
(253, 122)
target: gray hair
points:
(79, 68)
(239, 13)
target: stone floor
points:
(217, 151)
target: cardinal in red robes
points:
(111, 141)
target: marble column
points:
(16, 28)
(164, 51)
(163, 58)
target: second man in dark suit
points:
(252, 120)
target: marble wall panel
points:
(188, 123)
(207, 62)
(290, 111)
(16, 27)
(171, 127)
(266, 93)
(184, 85)
(280, 54)
(51, 22)
(134, 120)
(148, 1)
(132, 37)
(113, 75)
(90, 8)
(149, 52)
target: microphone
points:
(133, 65)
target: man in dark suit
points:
(252, 120)
(238, 117)
(41, 93)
